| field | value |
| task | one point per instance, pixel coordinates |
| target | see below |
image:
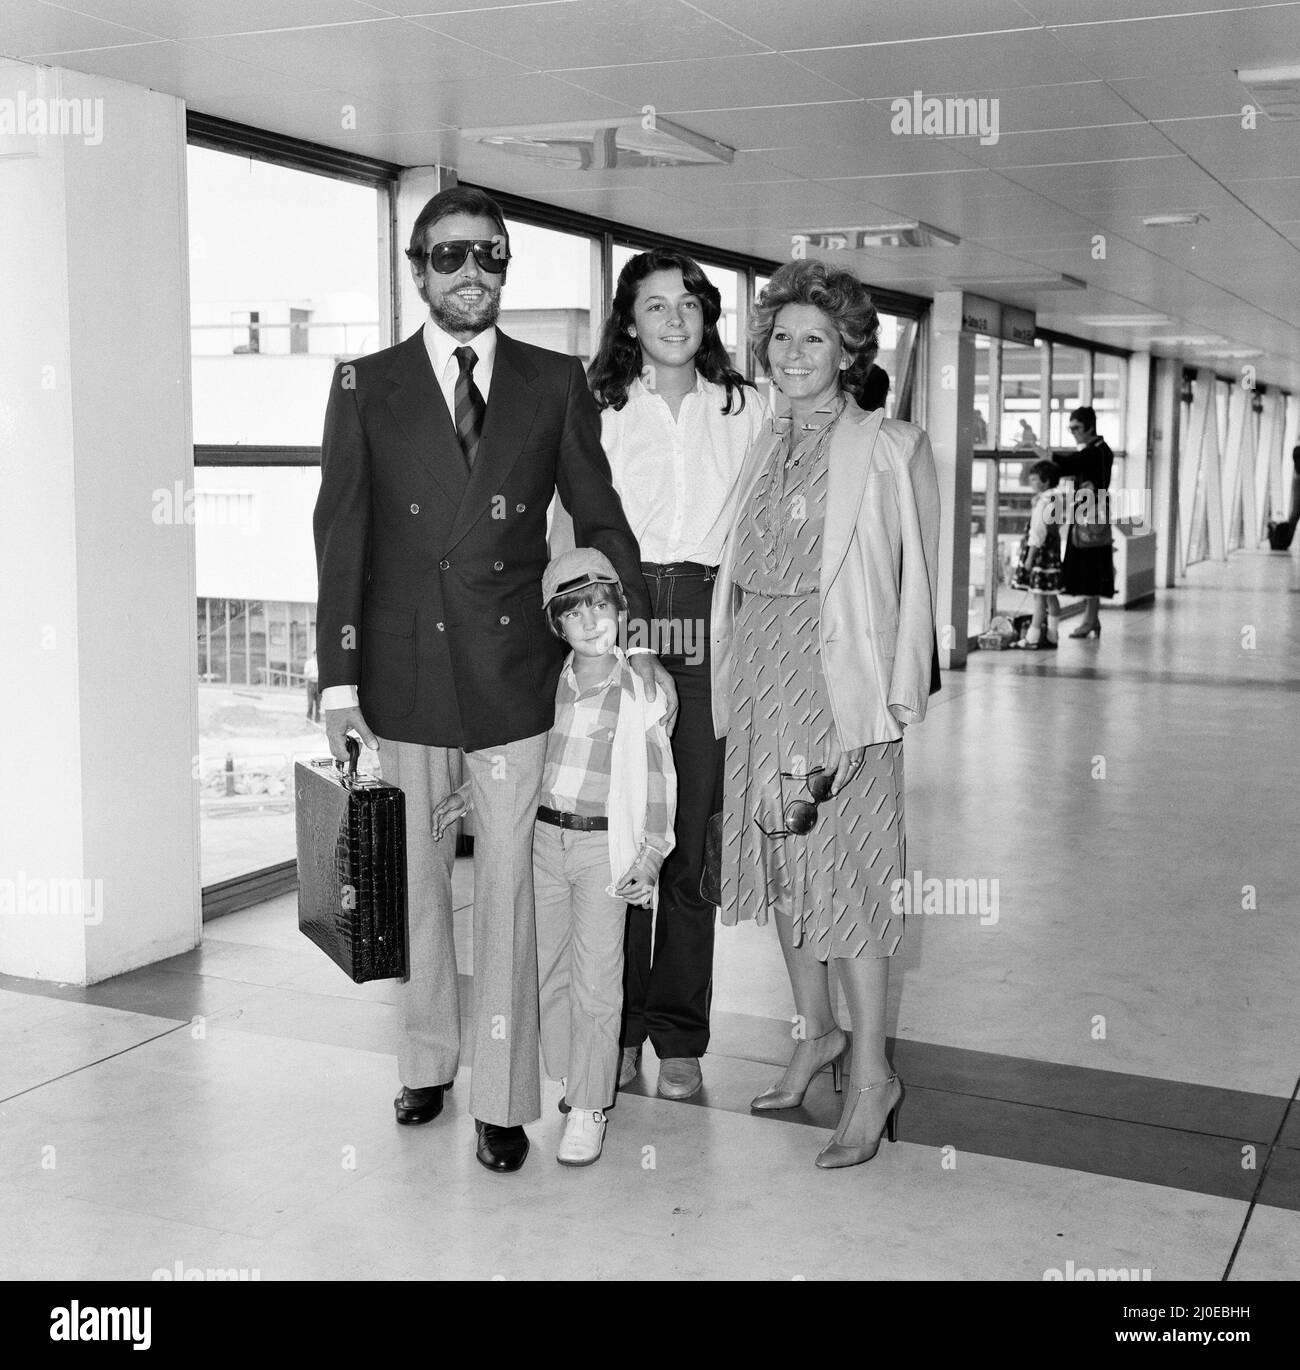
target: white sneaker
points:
(584, 1136)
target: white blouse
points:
(677, 477)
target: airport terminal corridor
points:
(1099, 1041)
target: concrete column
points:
(416, 186)
(1164, 418)
(99, 845)
(950, 403)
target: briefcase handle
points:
(354, 754)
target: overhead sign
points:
(1019, 325)
(995, 320)
(979, 315)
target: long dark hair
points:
(617, 362)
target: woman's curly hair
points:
(839, 295)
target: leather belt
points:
(574, 821)
(679, 570)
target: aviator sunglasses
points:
(491, 254)
(800, 815)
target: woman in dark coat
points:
(1087, 571)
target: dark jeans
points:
(666, 993)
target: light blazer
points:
(879, 577)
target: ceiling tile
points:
(204, 18)
(197, 76)
(1209, 44)
(365, 53)
(1113, 142)
(524, 99)
(832, 23)
(595, 33)
(954, 66)
(31, 29)
(719, 82)
(1175, 97)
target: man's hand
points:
(845, 766)
(338, 722)
(455, 805)
(653, 675)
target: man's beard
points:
(454, 317)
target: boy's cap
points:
(575, 570)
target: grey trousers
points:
(580, 962)
(506, 783)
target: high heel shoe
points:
(776, 1097)
(835, 1155)
(1088, 630)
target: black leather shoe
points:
(420, 1105)
(502, 1149)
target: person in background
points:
(1087, 571)
(875, 390)
(1038, 568)
(823, 644)
(676, 421)
(311, 677)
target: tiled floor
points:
(1101, 1069)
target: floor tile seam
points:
(1259, 1184)
(133, 1212)
(178, 1024)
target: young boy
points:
(605, 824)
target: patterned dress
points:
(834, 883)
(1043, 536)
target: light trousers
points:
(506, 784)
(579, 962)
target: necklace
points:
(783, 502)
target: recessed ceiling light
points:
(1125, 320)
(1174, 220)
(909, 233)
(606, 144)
(1033, 283)
(1276, 90)
(1188, 340)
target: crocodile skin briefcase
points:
(352, 867)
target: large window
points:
(287, 277)
(547, 298)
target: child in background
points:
(604, 826)
(1038, 566)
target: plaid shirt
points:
(580, 749)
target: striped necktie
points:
(470, 406)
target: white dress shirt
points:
(677, 477)
(441, 347)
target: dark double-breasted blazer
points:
(430, 573)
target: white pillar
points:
(416, 186)
(99, 845)
(949, 409)
(1164, 417)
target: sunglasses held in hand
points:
(491, 254)
(801, 815)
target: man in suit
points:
(439, 461)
